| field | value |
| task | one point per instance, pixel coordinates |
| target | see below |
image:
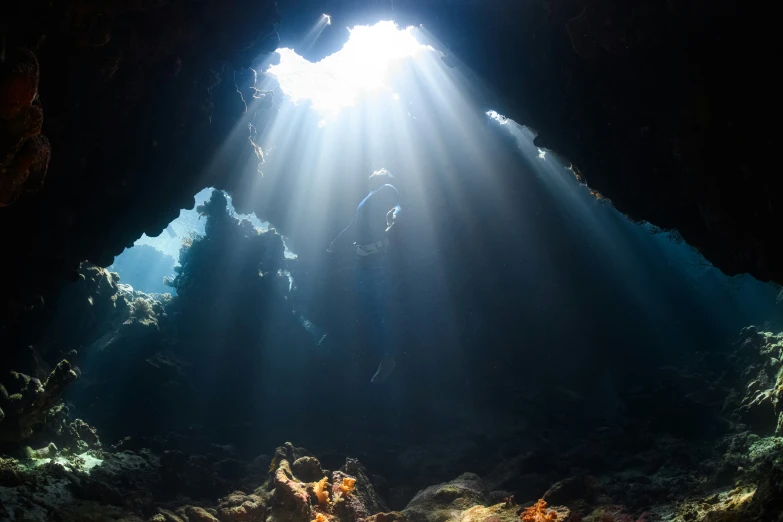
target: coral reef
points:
(321, 492)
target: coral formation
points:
(347, 485)
(538, 512)
(321, 491)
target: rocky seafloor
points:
(142, 407)
(737, 477)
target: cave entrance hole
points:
(151, 260)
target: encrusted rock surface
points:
(25, 401)
(761, 355)
(446, 501)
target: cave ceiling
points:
(111, 111)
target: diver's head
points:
(379, 178)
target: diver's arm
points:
(394, 214)
(345, 236)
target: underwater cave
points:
(388, 261)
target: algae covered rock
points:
(26, 401)
(761, 355)
(394, 516)
(572, 490)
(290, 500)
(184, 514)
(365, 499)
(447, 501)
(165, 515)
(198, 514)
(9, 473)
(496, 513)
(466, 499)
(241, 507)
(308, 469)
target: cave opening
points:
(150, 264)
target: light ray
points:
(361, 66)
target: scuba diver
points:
(368, 232)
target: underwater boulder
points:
(447, 501)
(364, 498)
(572, 490)
(240, 507)
(308, 469)
(290, 499)
(523, 475)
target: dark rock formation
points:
(364, 500)
(760, 354)
(25, 401)
(24, 152)
(137, 96)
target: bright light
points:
(497, 117)
(362, 65)
(542, 154)
(328, 19)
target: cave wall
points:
(135, 97)
(656, 105)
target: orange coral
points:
(320, 489)
(538, 513)
(347, 485)
(320, 517)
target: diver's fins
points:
(385, 369)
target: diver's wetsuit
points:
(373, 272)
